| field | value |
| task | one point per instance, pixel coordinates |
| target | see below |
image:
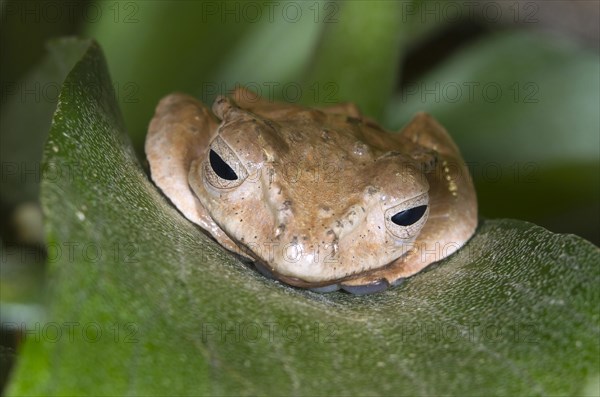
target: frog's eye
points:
(408, 218)
(223, 169)
(220, 167)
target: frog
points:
(318, 198)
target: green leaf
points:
(141, 302)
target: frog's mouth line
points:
(329, 285)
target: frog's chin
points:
(345, 283)
(370, 281)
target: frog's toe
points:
(371, 288)
(327, 288)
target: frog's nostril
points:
(331, 235)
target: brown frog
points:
(317, 198)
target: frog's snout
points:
(329, 250)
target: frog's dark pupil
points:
(220, 167)
(409, 216)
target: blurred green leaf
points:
(26, 117)
(359, 55)
(148, 305)
(514, 96)
(310, 52)
(25, 27)
(212, 46)
(24, 125)
(523, 108)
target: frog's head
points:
(312, 196)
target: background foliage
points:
(520, 101)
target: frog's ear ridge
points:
(226, 109)
(248, 99)
(178, 104)
(426, 131)
(345, 108)
(223, 106)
